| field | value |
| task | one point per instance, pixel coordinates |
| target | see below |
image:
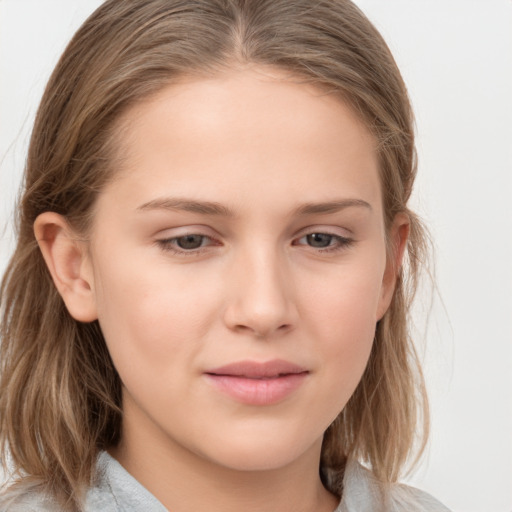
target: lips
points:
(256, 370)
(256, 383)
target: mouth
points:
(256, 383)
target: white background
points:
(456, 57)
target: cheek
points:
(341, 318)
(346, 300)
(151, 314)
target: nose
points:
(261, 296)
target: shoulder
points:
(117, 490)
(362, 492)
(26, 497)
(114, 490)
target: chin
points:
(263, 452)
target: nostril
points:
(258, 312)
(262, 332)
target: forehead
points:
(256, 126)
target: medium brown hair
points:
(60, 395)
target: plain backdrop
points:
(456, 58)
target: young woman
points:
(207, 307)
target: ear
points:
(68, 263)
(398, 236)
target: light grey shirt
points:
(117, 491)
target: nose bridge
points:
(261, 299)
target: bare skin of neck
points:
(184, 482)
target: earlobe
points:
(398, 236)
(69, 266)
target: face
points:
(237, 267)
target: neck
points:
(183, 481)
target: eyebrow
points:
(331, 206)
(188, 205)
(217, 209)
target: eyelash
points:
(341, 242)
(169, 244)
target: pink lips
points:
(256, 383)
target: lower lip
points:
(258, 391)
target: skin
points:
(258, 288)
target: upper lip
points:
(255, 369)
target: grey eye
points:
(319, 239)
(190, 241)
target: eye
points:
(319, 239)
(325, 242)
(190, 241)
(188, 244)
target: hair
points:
(60, 395)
